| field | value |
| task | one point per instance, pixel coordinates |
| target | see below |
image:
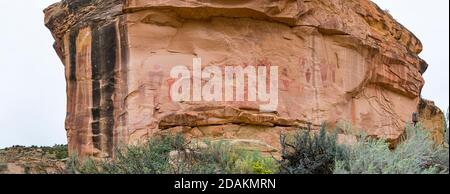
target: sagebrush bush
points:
(417, 154)
(151, 158)
(304, 153)
(310, 154)
(170, 155)
(265, 166)
(253, 163)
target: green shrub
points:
(57, 151)
(222, 158)
(60, 151)
(152, 158)
(170, 155)
(303, 154)
(265, 166)
(310, 154)
(249, 162)
(417, 154)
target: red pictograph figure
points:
(308, 75)
(170, 82)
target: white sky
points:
(32, 85)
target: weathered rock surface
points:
(432, 118)
(339, 60)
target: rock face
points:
(432, 118)
(339, 61)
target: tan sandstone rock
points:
(339, 60)
(432, 119)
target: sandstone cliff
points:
(339, 61)
(432, 118)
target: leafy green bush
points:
(253, 163)
(151, 158)
(303, 154)
(417, 154)
(229, 160)
(310, 154)
(265, 166)
(170, 155)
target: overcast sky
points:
(32, 85)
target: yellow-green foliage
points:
(254, 163)
(236, 161)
